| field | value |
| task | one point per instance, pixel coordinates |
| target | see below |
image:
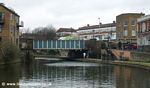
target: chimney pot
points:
(100, 23)
(88, 25)
(114, 21)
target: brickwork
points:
(130, 55)
(9, 25)
(140, 56)
(126, 24)
(122, 54)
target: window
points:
(11, 29)
(105, 36)
(1, 16)
(133, 22)
(147, 26)
(17, 20)
(113, 35)
(85, 36)
(148, 40)
(100, 37)
(125, 28)
(125, 33)
(125, 23)
(133, 32)
(12, 16)
(143, 27)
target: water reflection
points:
(10, 74)
(73, 75)
(131, 77)
(66, 74)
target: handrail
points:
(2, 52)
(116, 54)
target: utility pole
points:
(99, 22)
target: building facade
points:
(63, 32)
(99, 32)
(143, 39)
(9, 25)
(126, 27)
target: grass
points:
(144, 63)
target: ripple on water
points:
(72, 64)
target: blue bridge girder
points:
(58, 44)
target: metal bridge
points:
(59, 44)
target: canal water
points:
(72, 74)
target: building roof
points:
(143, 18)
(12, 11)
(97, 26)
(27, 35)
(131, 14)
(66, 30)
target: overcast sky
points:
(73, 13)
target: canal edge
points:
(120, 63)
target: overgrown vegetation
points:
(10, 52)
(48, 32)
(95, 48)
(144, 63)
(53, 52)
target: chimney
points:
(114, 22)
(100, 23)
(88, 25)
(142, 13)
(2, 4)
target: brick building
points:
(127, 27)
(143, 40)
(9, 25)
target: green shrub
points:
(11, 52)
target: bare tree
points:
(48, 32)
(26, 30)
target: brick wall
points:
(140, 56)
(145, 48)
(10, 30)
(124, 54)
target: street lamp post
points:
(99, 22)
(99, 28)
(93, 33)
(109, 38)
(108, 43)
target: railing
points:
(58, 44)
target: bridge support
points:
(76, 53)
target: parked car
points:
(130, 46)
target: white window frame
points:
(125, 32)
(133, 32)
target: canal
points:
(72, 74)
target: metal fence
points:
(58, 44)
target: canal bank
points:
(137, 64)
(73, 74)
(9, 53)
(143, 65)
(12, 62)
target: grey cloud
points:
(73, 13)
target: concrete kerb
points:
(120, 63)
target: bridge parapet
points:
(59, 44)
